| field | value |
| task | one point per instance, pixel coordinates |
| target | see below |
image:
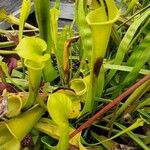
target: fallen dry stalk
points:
(114, 102)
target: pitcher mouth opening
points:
(107, 22)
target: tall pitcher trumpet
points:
(100, 21)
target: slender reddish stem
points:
(106, 108)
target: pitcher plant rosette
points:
(62, 88)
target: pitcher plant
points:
(32, 49)
(55, 91)
(100, 21)
(15, 129)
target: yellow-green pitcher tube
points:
(100, 21)
(34, 84)
(14, 130)
(25, 122)
(32, 50)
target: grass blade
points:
(123, 47)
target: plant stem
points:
(64, 136)
(2, 31)
(106, 108)
(14, 20)
(7, 44)
(5, 52)
(34, 84)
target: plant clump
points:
(84, 86)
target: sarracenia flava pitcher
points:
(15, 129)
(32, 49)
(100, 21)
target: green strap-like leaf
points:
(139, 122)
(123, 47)
(124, 68)
(54, 13)
(108, 145)
(131, 5)
(43, 19)
(133, 136)
(84, 29)
(133, 97)
(139, 57)
(24, 12)
(42, 13)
